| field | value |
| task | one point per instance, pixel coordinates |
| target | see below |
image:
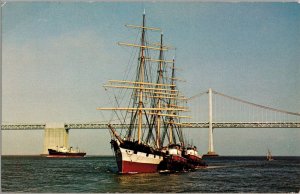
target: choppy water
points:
(97, 175)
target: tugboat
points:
(63, 152)
(173, 160)
(193, 158)
(152, 105)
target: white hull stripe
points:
(140, 157)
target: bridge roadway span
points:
(186, 125)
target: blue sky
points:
(56, 56)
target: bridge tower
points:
(211, 151)
(55, 134)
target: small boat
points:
(269, 156)
(63, 152)
(193, 158)
(173, 160)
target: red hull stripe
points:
(178, 159)
(63, 156)
(135, 167)
(195, 158)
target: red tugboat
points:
(173, 160)
(193, 158)
(63, 152)
(152, 105)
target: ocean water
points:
(98, 175)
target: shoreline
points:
(221, 156)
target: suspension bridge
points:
(222, 111)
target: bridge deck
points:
(187, 125)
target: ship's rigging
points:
(153, 111)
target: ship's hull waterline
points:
(56, 154)
(65, 156)
(130, 162)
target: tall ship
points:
(152, 105)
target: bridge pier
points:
(55, 134)
(211, 151)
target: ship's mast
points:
(141, 79)
(171, 121)
(159, 81)
(174, 118)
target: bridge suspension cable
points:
(197, 95)
(256, 105)
(227, 108)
